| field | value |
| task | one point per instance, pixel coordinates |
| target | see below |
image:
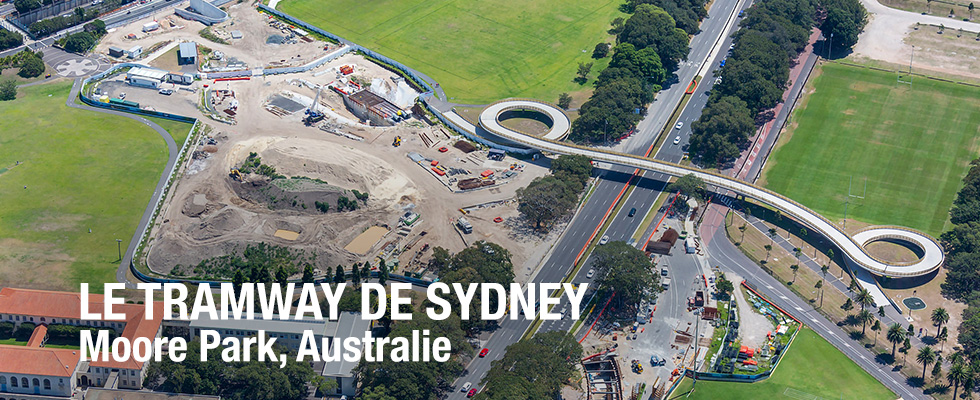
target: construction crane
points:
(397, 142)
(312, 115)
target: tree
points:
(79, 42)
(625, 270)
(926, 356)
(24, 6)
(864, 316)
(724, 286)
(97, 27)
(942, 336)
(742, 229)
(823, 270)
(970, 7)
(238, 280)
(895, 336)
(308, 273)
(355, 275)
(845, 21)
(583, 71)
(937, 368)
(939, 317)
(819, 285)
(564, 100)
(803, 233)
(611, 109)
(722, 130)
(795, 268)
(957, 374)
(601, 50)
(643, 63)
(533, 368)
(617, 25)
(31, 67)
(574, 171)
(768, 248)
(382, 272)
(864, 298)
(881, 312)
(853, 285)
(338, 276)
(848, 305)
(651, 26)
(366, 272)
(906, 346)
(689, 185)
(282, 276)
(545, 200)
(8, 90)
(876, 327)
(10, 39)
(772, 235)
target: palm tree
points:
(864, 298)
(823, 269)
(939, 317)
(926, 356)
(819, 285)
(768, 248)
(802, 236)
(865, 316)
(881, 312)
(971, 10)
(943, 335)
(742, 229)
(798, 253)
(794, 267)
(772, 235)
(848, 305)
(895, 335)
(830, 255)
(876, 327)
(906, 346)
(957, 374)
(937, 368)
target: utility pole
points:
(831, 45)
(849, 195)
(119, 248)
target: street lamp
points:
(119, 248)
(831, 45)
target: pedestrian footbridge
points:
(931, 252)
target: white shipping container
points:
(151, 26)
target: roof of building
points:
(150, 73)
(187, 50)
(38, 361)
(48, 304)
(116, 394)
(37, 338)
(372, 101)
(353, 326)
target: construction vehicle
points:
(397, 142)
(237, 175)
(312, 115)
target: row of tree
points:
(51, 25)
(650, 44)
(10, 39)
(755, 75)
(962, 245)
(549, 198)
(533, 368)
(483, 262)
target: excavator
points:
(397, 142)
(236, 175)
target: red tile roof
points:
(42, 303)
(38, 361)
(37, 338)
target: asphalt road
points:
(610, 183)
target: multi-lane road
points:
(610, 184)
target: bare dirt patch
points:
(33, 265)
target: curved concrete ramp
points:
(853, 248)
(560, 124)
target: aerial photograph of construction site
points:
(732, 199)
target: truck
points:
(699, 299)
(665, 283)
(464, 225)
(689, 245)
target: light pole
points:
(831, 45)
(119, 248)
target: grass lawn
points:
(912, 143)
(478, 51)
(812, 367)
(83, 170)
(13, 342)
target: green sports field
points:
(811, 369)
(479, 51)
(82, 170)
(911, 143)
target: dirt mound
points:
(288, 194)
(225, 221)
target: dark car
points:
(632, 211)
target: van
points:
(465, 387)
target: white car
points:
(677, 140)
(465, 387)
(717, 81)
(604, 240)
(590, 274)
(679, 125)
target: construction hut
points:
(371, 107)
(116, 51)
(496, 155)
(665, 243)
(187, 53)
(146, 77)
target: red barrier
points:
(597, 317)
(691, 86)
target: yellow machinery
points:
(397, 142)
(236, 175)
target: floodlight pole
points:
(119, 248)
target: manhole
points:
(914, 303)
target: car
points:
(465, 387)
(632, 211)
(741, 13)
(484, 352)
(122, 96)
(722, 64)
(677, 140)
(471, 393)
(167, 92)
(679, 125)
(657, 361)
(663, 271)
(604, 240)
(591, 273)
(717, 81)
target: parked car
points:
(167, 92)
(591, 273)
(656, 361)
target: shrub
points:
(6, 330)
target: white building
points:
(146, 77)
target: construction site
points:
(337, 161)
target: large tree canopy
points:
(533, 368)
(651, 26)
(722, 130)
(626, 270)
